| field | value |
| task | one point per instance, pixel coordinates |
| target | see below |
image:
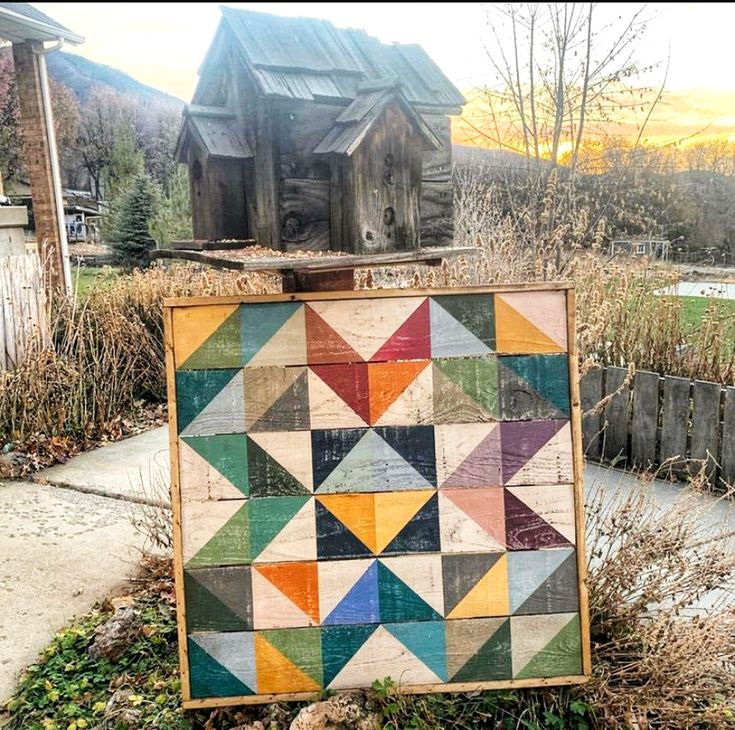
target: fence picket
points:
(615, 438)
(590, 390)
(727, 458)
(675, 423)
(705, 423)
(645, 419)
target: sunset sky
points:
(162, 45)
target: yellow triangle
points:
(393, 511)
(356, 512)
(193, 325)
(488, 597)
(276, 674)
(514, 333)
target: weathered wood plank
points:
(436, 206)
(727, 457)
(546, 645)
(466, 389)
(304, 214)
(266, 192)
(674, 422)
(437, 164)
(218, 599)
(645, 419)
(536, 452)
(590, 386)
(705, 424)
(212, 245)
(615, 437)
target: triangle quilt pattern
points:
(376, 487)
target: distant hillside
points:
(81, 75)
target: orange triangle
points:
(298, 582)
(488, 597)
(396, 510)
(514, 333)
(386, 382)
(276, 674)
(356, 512)
(323, 344)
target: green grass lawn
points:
(85, 277)
(693, 308)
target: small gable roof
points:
(307, 58)
(355, 121)
(214, 131)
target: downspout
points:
(54, 155)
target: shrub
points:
(136, 209)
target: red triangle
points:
(323, 344)
(350, 382)
(411, 341)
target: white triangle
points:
(291, 450)
(554, 503)
(373, 466)
(235, 651)
(295, 542)
(553, 463)
(460, 533)
(454, 443)
(201, 521)
(225, 413)
(287, 346)
(336, 580)
(381, 656)
(530, 634)
(422, 574)
(450, 338)
(199, 480)
(415, 406)
(365, 324)
(272, 609)
(327, 409)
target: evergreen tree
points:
(138, 206)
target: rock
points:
(113, 638)
(335, 713)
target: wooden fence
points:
(23, 315)
(649, 421)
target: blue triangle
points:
(425, 640)
(360, 605)
(259, 322)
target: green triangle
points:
(209, 678)
(562, 656)
(475, 312)
(268, 517)
(398, 602)
(227, 453)
(221, 349)
(491, 661)
(205, 612)
(268, 478)
(426, 641)
(229, 546)
(339, 645)
(303, 647)
(195, 389)
(260, 322)
(477, 377)
(548, 375)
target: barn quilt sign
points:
(376, 484)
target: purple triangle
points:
(482, 468)
(522, 439)
(360, 605)
(526, 530)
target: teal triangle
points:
(491, 661)
(221, 349)
(548, 375)
(449, 337)
(195, 389)
(268, 478)
(209, 678)
(425, 640)
(475, 312)
(339, 645)
(260, 322)
(268, 517)
(227, 453)
(398, 602)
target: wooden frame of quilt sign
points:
(376, 484)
